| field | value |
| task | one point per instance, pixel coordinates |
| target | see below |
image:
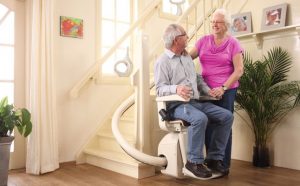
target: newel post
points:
(140, 80)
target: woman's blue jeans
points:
(226, 102)
(198, 114)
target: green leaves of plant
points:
(265, 94)
(279, 63)
(26, 123)
(10, 117)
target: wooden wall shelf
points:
(258, 36)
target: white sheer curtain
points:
(42, 146)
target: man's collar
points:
(169, 53)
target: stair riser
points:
(126, 128)
(134, 171)
(110, 144)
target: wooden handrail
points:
(91, 73)
(181, 19)
(200, 24)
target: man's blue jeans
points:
(226, 102)
(198, 114)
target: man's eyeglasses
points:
(217, 22)
(184, 34)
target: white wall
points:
(284, 145)
(78, 118)
(256, 8)
(72, 58)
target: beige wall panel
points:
(285, 139)
(242, 142)
(80, 117)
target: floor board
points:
(242, 174)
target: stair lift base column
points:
(172, 147)
(169, 147)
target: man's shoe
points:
(199, 170)
(217, 166)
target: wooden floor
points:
(242, 174)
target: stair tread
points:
(125, 127)
(129, 138)
(127, 118)
(108, 134)
(123, 119)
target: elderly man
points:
(175, 74)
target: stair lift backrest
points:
(169, 125)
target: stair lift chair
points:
(173, 145)
(171, 149)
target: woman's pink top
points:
(217, 61)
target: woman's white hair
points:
(170, 34)
(223, 12)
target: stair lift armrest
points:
(173, 97)
(175, 125)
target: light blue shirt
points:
(171, 70)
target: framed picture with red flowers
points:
(71, 27)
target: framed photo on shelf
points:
(274, 17)
(241, 23)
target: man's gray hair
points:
(170, 34)
(223, 12)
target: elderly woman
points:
(221, 61)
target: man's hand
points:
(184, 91)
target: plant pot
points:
(261, 157)
(5, 143)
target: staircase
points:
(102, 150)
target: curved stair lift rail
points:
(133, 152)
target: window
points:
(7, 22)
(7, 46)
(116, 17)
(12, 66)
(169, 8)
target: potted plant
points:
(11, 117)
(266, 96)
